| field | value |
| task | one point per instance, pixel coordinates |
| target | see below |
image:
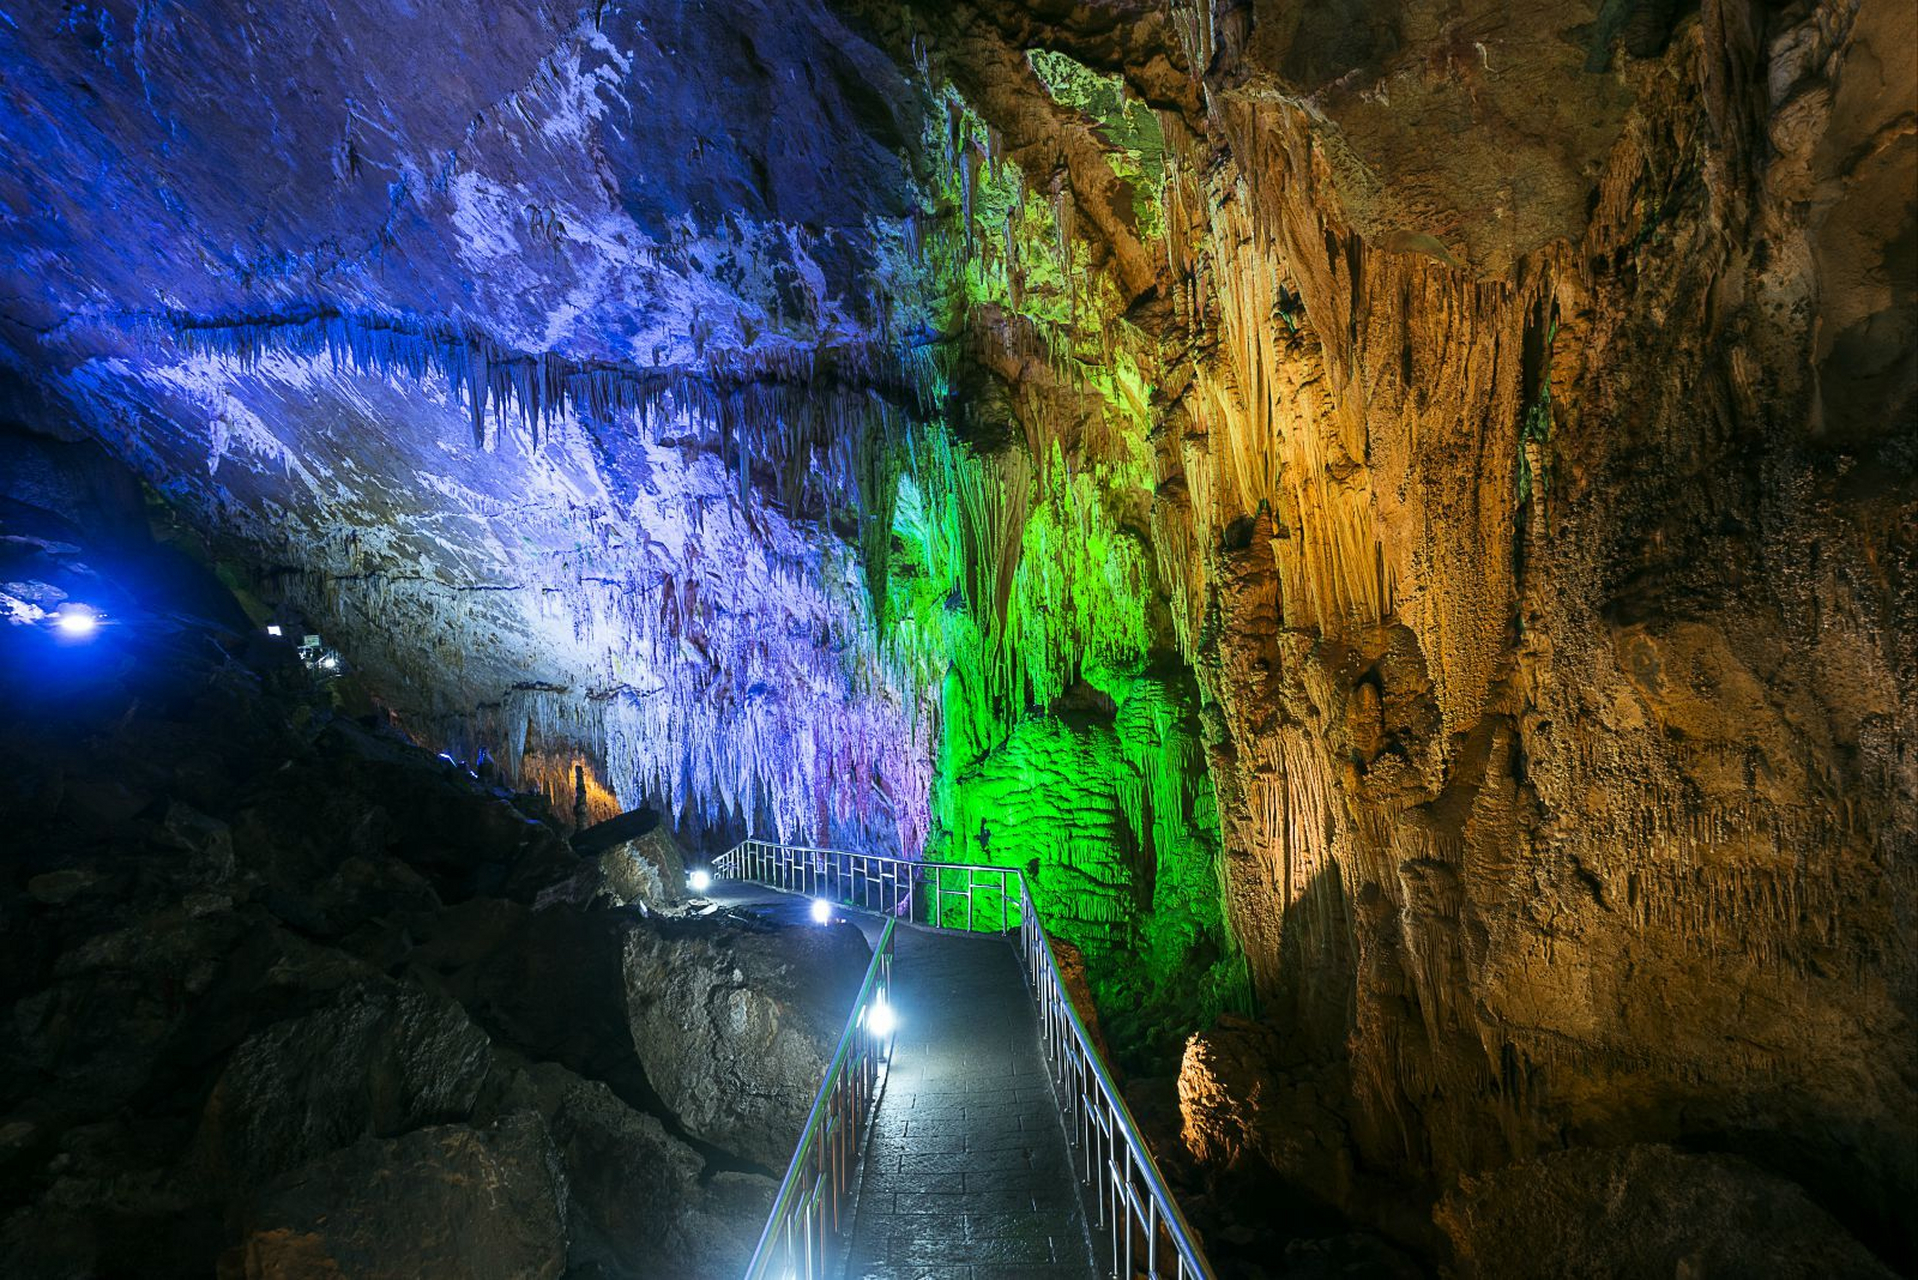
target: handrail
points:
(1161, 1208)
(1134, 1203)
(885, 885)
(797, 1237)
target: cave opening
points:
(665, 640)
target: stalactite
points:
(780, 409)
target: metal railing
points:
(944, 895)
(1140, 1229)
(799, 1242)
(1145, 1234)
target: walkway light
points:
(821, 911)
(76, 620)
(700, 880)
(880, 1019)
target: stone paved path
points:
(967, 1174)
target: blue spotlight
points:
(76, 621)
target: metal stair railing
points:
(799, 1239)
(1143, 1234)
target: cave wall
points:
(1532, 498)
(530, 357)
(648, 402)
(1619, 822)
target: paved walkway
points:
(967, 1174)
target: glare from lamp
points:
(881, 1020)
(76, 620)
(821, 911)
(273, 630)
(700, 881)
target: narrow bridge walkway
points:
(966, 1174)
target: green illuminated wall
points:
(1017, 588)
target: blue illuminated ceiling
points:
(283, 258)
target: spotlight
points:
(274, 630)
(76, 620)
(700, 881)
(880, 1019)
(821, 911)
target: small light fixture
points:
(273, 629)
(821, 911)
(700, 880)
(880, 1019)
(76, 620)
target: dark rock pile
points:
(1646, 1210)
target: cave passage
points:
(1390, 528)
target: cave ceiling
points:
(480, 322)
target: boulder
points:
(104, 1203)
(1645, 1211)
(638, 1201)
(547, 983)
(451, 1200)
(626, 827)
(648, 871)
(377, 1059)
(207, 842)
(57, 888)
(115, 1005)
(736, 1024)
(1244, 1108)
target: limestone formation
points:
(1644, 1210)
(735, 1027)
(1399, 518)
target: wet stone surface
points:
(967, 1173)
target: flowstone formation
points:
(1531, 465)
(1400, 518)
